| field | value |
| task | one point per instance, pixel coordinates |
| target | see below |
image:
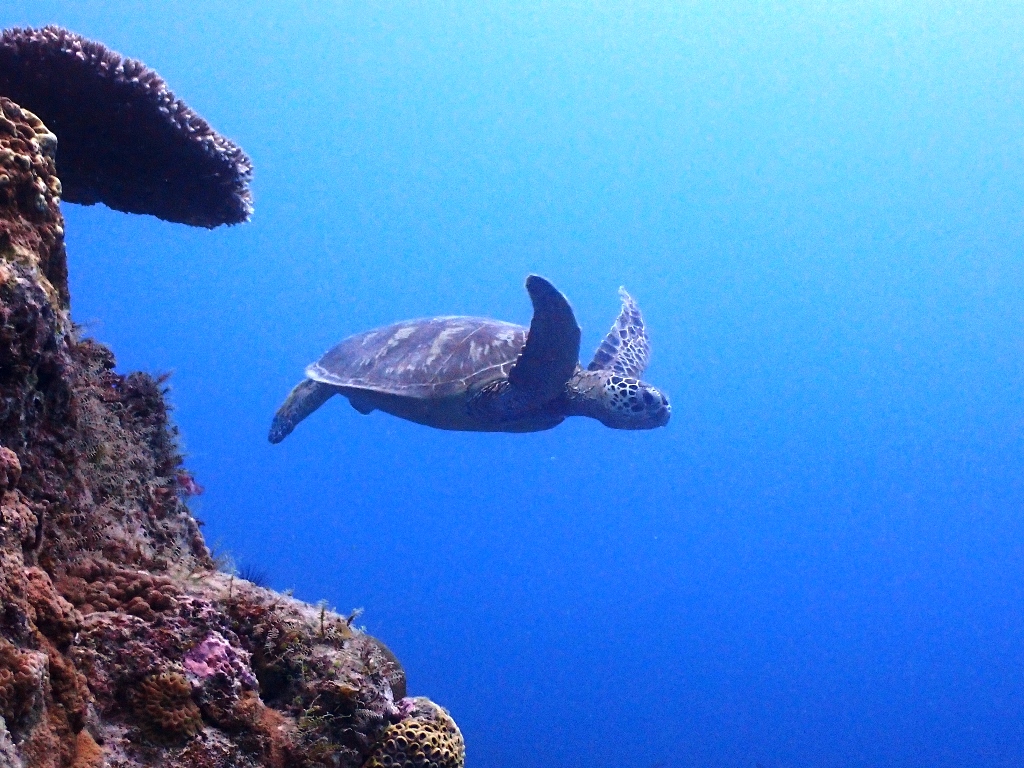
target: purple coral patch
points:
(216, 657)
(124, 139)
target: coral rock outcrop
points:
(121, 644)
(32, 234)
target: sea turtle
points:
(471, 373)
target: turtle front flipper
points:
(552, 350)
(626, 349)
(546, 362)
(301, 401)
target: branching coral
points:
(165, 160)
(428, 738)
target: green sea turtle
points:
(471, 373)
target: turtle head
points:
(617, 401)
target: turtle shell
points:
(425, 359)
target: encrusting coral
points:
(166, 160)
(20, 674)
(165, 701)
(29, 188)
(121, 644)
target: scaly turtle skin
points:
(476, 374)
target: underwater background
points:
(818, 206)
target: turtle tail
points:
(301, 401)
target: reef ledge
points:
(121, 644)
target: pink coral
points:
(215, 656)
(187, 484)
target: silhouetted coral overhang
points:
(124, 139)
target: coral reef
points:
(121, 644)
(165, 160)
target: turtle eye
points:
(648, 398)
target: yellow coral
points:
(428, 739)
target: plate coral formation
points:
(125, 139)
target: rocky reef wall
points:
(121, 644)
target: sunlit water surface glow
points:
(819, 208)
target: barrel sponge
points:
(428, 738)
(125, 139)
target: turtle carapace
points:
(471, 373)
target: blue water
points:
(820, 561)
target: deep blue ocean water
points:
(819, 206)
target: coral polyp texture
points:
(426, 738)
(165, 701)
(163, 160)
(32, 236)
(121, 644)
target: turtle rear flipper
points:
(552, 350)
(626, 349)
(306, 397)
(361, 402)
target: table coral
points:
(166, 161)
